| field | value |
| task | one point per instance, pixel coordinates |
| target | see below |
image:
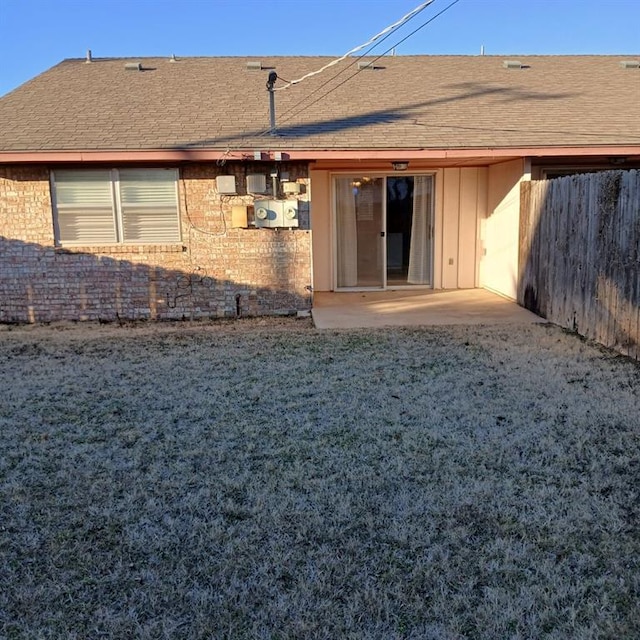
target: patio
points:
(369, 309)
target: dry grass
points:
(264, 480)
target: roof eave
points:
(209, 155)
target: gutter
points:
(205, 155)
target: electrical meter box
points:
(276, 213)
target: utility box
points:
(226, 185)
(291, 187)
(256, 183)
(239, 217)
(276, 213)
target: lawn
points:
(261, 479)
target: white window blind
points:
(84, 203)
(149, 205)
(116, 206)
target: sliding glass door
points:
(360, 231)
(384, 231)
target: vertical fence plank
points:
(579, 234)
(633, 210)
(590, 293)
(625, 250)
(600, 266)
(524, 241)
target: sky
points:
(37, 34)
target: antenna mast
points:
(273, 76)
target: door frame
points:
(383, 238)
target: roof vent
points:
(630, 64)
(512, 64)
(89, 58)
(173, 58)
(254, 65)
(133, 66)
(371, 66)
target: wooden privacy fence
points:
(579, 256)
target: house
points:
(155, 188)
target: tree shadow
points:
(468, 91)
(44, 284)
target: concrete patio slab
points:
(351, 310)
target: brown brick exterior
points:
(216, 271)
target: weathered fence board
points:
(579, 262)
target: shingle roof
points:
(415, 102)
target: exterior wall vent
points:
(254, 65)
(133, 66)
(512, 64)
(630, 64)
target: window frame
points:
(117, 208)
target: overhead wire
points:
(375, 41)
(288, 115)
(355, 60)
(372, 40)
(324, 95)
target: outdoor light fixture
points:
(400, 165)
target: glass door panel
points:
(360, 207)
(409, 230)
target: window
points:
(131, 206)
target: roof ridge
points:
(386, 57)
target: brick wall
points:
(215, 271)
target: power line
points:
(344, 69)
(416, 122)
(386, 30)
(324, 95)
